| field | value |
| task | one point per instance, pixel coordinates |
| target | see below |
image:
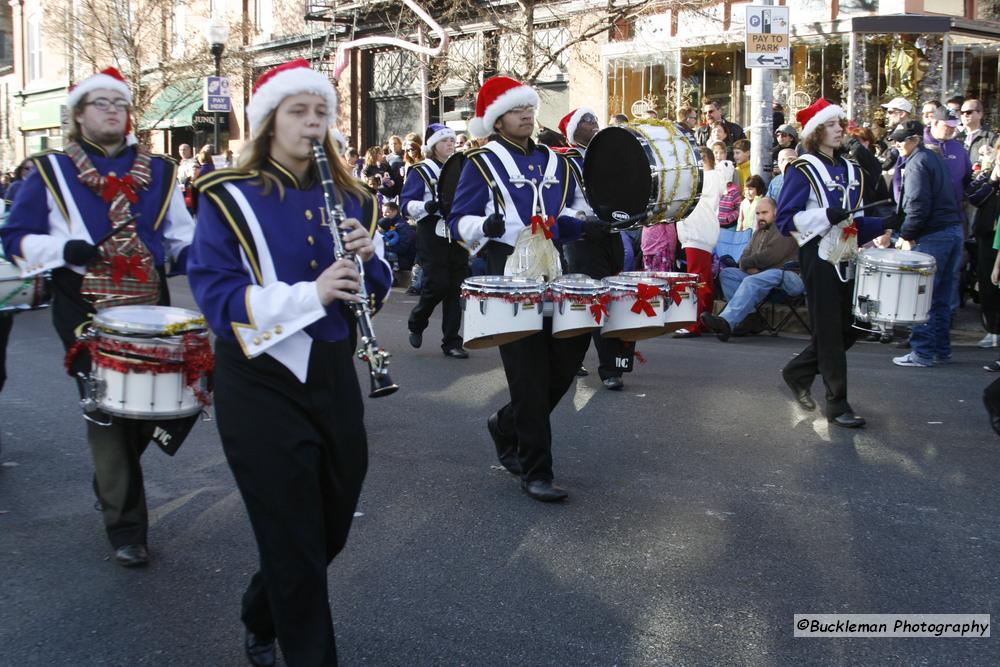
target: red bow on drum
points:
(600, 309)
(131, 267)
(643, 294)
(676, 291)
(538, 223)
(850, 230)
(124, 185)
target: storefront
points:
(41, 118)
(918, 57)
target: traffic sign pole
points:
(767, 48)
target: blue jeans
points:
(744, 291)
(933, 340)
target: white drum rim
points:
(885, 258)
(113, 320)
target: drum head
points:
(616, 171)
(448, 182)
(149, 320)
(894, 258)
(510, 284)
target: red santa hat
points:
(817, 113)
(292, 78)
(571, 120)
(499, 95)
(106, 79)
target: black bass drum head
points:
(448, 182)
(617, 175)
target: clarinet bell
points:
(382, 385)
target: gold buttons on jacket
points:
(256, 340)
(314, 265)
(309, 214)
(531, 167)
(278, 329)
(266, 335)
(310, 240)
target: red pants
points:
(700, 262)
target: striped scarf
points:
(121, 192)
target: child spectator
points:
(399, 236)
(741, 156)
(729, 204)
(752, 192)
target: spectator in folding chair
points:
(761, 270)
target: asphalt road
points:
(705, 511)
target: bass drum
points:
(448, 183)
(650, 168)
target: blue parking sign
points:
(216, 98)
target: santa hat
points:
(106, 79)
(435, 133)
(570, 121)
(817, 113)
(292, 78)
(499, 95)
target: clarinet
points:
(369, 351)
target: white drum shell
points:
(889, 291)
(17, 293)
(572, 316)
(495, 315)
(146, 395)
(679, 315)
(626, 325)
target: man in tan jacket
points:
(761, 270)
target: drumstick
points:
(882, 202)
(115, 230)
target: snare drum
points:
(17, 293)
(636, 309)
(148, 362)
(579, 305)
(500, 309)
(681, 297)
(647, 167)
(893, 286)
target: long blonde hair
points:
(256, 152)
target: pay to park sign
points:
(767, 37)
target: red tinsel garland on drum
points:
(195, 359)
(511, 297)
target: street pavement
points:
(705, 510)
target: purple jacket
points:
(956, 159)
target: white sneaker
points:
(989, 340)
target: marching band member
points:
(600, 252)
(445, 262)
(813, 206)
(71, 201)
(288, 405)
(488, 213)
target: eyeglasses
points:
(966, 112)
(104, 104)
(892, 111)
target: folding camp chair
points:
(778, 297)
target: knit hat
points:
(817, 113)
(499, 95)
(106, 79)
(435, 133)
(789, 130)
(571, 120)
(292, 78)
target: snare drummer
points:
(288, 405)
(539, 368)
(812, 202)
(445, 262)
(64, 207)
(600, 252)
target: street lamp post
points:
(216, 33)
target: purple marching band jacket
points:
(255, 260)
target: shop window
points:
(974, 71)
(639, 84)
(394, 73)
(34, 47)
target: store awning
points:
(175, 106)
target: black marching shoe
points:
(848, 420)
(506, 446)
(613, 383)
(455, 352)
(995, 423)
(543, 490)
(582, 372)
(717, 325)
(416, 338)
(132, 555)
(260, 652)
(802, 396)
